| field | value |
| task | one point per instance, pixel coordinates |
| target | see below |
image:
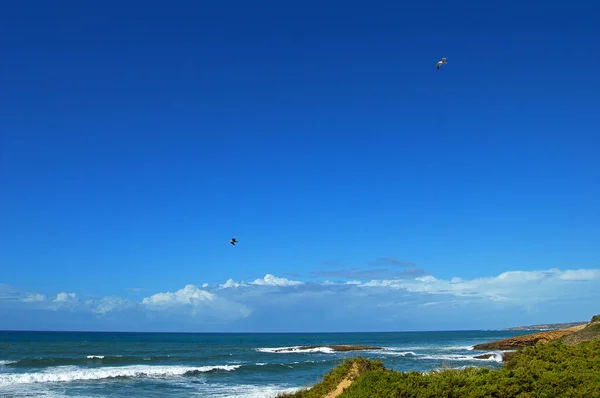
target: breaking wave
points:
(393, 352)
(70, 374)
(296, 350)
(246, 391)
(458, 348)
(493, 357)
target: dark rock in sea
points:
(337, 348)
(484, 356)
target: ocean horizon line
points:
(186, 332)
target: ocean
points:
(118, 365)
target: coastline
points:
(214, 365)
(572, 353)
(231, 365)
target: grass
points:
(545, 371)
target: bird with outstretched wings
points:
(442, 62)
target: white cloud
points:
(196, 302)
(580, 275)
(231, 284)
(271, 298)
(65, 297)
(517, 286)
(190, 294)
(267, 280)
(109, 304)
(34, 297)
(271, 280)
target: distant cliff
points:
(571, 335)
(548, 326)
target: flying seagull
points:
(233, 241)
(442, 62)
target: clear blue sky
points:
(137, 138)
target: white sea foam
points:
(212, 390)
(495, 357)
(95, 357)
(3, 363)
(243, 390)
(432, 347)
(73, 373)
(458, 348)
(397, 353)
(36, 392)
(410, 348)
(295, 350)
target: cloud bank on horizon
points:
(409, 299)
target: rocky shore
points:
(544, 362)
(571, 335)
(527, 340)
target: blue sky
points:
(137, 138)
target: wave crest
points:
(493, 357)
(296, 350)
(70, 374)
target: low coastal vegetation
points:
(339, 378)
(568, 366)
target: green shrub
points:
(545, 371)
(335, 376)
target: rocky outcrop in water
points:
(337, 348)
(484, 356)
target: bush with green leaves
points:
(336, 375)
(545, 371)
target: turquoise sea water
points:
(82, 364)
